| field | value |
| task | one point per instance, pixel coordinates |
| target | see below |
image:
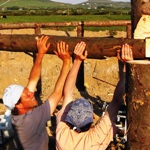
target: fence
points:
(80, 25)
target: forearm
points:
(120, 88)
(71, 78)
(117, 98)
(62, 77)
(56, 96)
(35, 72)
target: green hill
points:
(32, 4)
(50, 4)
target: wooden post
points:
(80, 78)
(80, 29)
(37, 30)
(138, 102)
(129, 31)
(136, 12)
(138, 9)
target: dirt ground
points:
(100, 76)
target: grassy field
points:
(65, 18)
(62, 18)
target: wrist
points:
(39, 55)
(78, 61)
(124, 67)
(67, 61)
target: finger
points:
(81, 47)
(128, 50)
(131, 54)
(48, 45)
(123, 51)
(76, 47)
(63, 46)
(56, 53)
(45, 39)
(67, 48)
(118, 54)
(127, 57)
(86, 53)
(41, 38)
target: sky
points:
(70, 1)
(80, 1)
(122, 0)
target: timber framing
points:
(98, 48)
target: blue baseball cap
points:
(80, 114)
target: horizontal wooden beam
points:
(97, 48)
(64, 24)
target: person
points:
(28, 119)
(75, 129)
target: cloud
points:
(70, 1)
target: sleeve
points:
(40, 115)
(103, 131)
(61, 115)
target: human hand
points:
(126, 53)
(42, 44)
(62, 51)
(79, 51)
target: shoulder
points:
(103, 126)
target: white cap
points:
(12, 95)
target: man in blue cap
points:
(74, 120)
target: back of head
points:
(80, 115)
(12, 95)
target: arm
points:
(62, 53)
(115, 104)
(36, 69)
(71, 78)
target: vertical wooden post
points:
(129, 31)
(37, 30)
(138, 102)
(80, 29)
(136, 12)
(80, 78)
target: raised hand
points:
(42, 44)
(126, 53)
(62, 51)
(80, 52)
